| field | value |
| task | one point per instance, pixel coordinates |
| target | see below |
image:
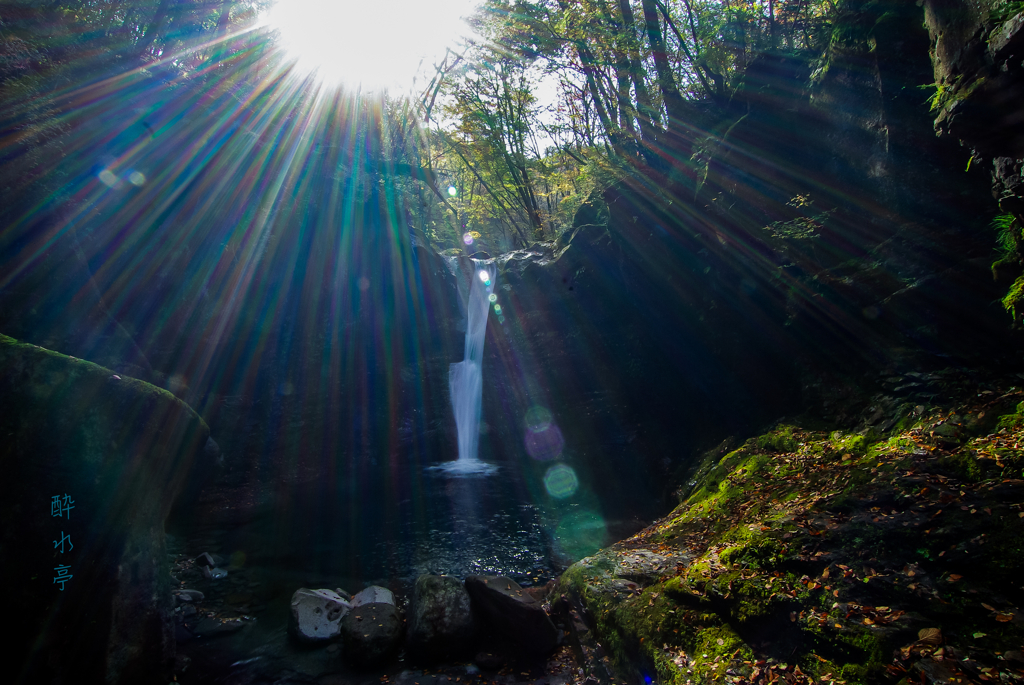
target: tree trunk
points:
(153, 28)
(674, 105)
(647, 115)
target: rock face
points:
(92, 464)
(977, 52)
(977, 49)
(316, 615)
(372, 632)
(440, 619)
(513, 614)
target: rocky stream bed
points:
(886, 552)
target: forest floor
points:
(890, 554)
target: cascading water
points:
(465, 378)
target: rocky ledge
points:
(807, 555)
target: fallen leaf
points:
(929, 636)
(1003, 618)
(953, 577)
(988, 606)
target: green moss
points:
(779, 440)
(853, 443)
(769, 519)
(761, 552)
(1013, 421)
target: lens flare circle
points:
(545, 445)
(580, 534)
(538, 418)
(560, 481)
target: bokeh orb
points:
(467, 238)
(560, 481)
(538, 418)
(545, 445)
(108, 178)
(580, 534)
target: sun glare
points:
(370, 44)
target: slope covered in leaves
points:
(815, 556)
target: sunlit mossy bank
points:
(880, 556)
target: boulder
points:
(92, 466)
(513, 614)
(440, 620)
(316, 615)
(372, 632)
(375, 594)
(185, 596)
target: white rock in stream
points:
(373, 595)
(316, 615)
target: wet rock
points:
(214, 573)
(212, 627)
(211, 560)
(188, 596)
(375, 594)
(440, 620)
(316, 615)
(372, 631)
(489, 660)
(211, 450)
(935, 672)
(503, 606)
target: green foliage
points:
(805, 226)
(1006, 10)
(1008, 233)
(1010, 246)
(1013, 301)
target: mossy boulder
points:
(828, 556)
(92, 464)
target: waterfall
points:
(465, 378)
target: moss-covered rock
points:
(114, 451)
(827, 556)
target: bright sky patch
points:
(375, 45)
